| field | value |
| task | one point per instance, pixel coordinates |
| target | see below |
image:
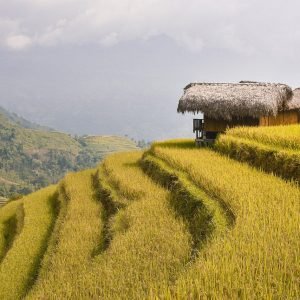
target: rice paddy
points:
(247, 262)
(285, 136)
(174, 222)
(273, 149)
(129, 253)
(20, 264)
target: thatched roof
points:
(295, 102)
(228, 100)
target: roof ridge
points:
(246, 83)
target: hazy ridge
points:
(33, 156)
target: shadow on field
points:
(109, 210)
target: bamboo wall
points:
(222, 125)
(283, 118)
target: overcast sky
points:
(118, 67)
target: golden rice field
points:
(259, 258)
(174, 222)
(147, 246)
(19, 266)
(274, 149)
(284, 136)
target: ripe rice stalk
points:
(149, 246)
(282, 162)
(246, 263)
(11, 224)
(284, 137)
(19, 267)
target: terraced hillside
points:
(174, 222)
(275, 149)
(32, 156)
(101, 146)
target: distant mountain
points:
(33, 156)
(18, 120)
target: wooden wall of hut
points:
(222, 125)
(283, 118)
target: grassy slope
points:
(101, 146)
(33, 140)
(107, 144)
(14, 118)
(39, 139)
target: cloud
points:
(241, 26)
(11, 36)
(18, 42)
(110, 40)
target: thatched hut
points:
(246, 103)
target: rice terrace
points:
(149, 150)
(177, 221)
